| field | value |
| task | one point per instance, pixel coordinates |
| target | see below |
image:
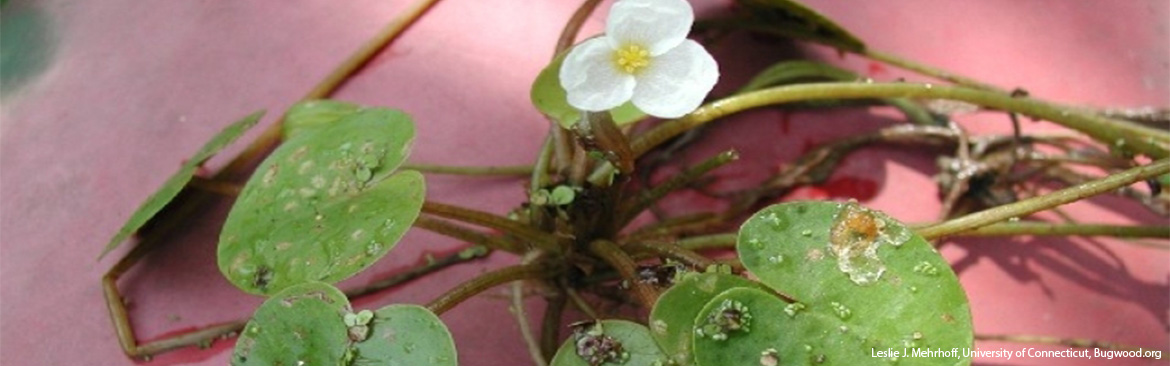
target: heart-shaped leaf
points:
(324, 205)
(313, 324)
(610, 342)
(550, 98)
(157, 201)
(301, 325)
(859, 275)
(406, 335)
(673, 318)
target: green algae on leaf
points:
(865, 282)
(610, 342)
(406, 335)
(175, 184)
(673, 318)
(324, 205)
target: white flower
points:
(644, 56)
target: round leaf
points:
(324, 205)
(406, 335)
(673, 318)
(857, 271)
(636, 344)
(301, 325)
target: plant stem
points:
(933, 72)
(1143, 139)
(517, 310)
(464, 255)
(550, 324)
(1040, 203)
(1066, 342)
(1046, 229)
(468, 235)
(621, 262)
(204, 336)
(573, 26)
(486, 281)
(705, 242)
(672, 251)
(529, 235)
(649, 197)
(271, 136)
(507, 170)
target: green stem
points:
(507, 170)
(1143, 139)
(471, 236)
(1040, 203)
(933, 72)
(486, 281)
(1046, 229)
(612, 254)
(529, 235)
(705, 242)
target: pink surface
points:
(134, 87)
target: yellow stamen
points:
(631, 58)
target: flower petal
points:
(591, 80)
(657, 25)
(675, 83)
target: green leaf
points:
(550, 98)
(768, 335)
(637, 348)
(788, 72)
(673, 318)
(795, 20)
(301, 325)
(406, 335)
(313, 115)
(324, 205)
(169, 190)
(861, 277)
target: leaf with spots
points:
(175, 184)
(324, 205)
(550, 98)
(766, 338)
(863, 281)
(406, 335)
(313, 115)
(301, 325)
(610, 342)
(673, 318)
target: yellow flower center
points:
(631, 58)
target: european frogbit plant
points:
(831, 283)
(644, 57)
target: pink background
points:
(130, 88)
